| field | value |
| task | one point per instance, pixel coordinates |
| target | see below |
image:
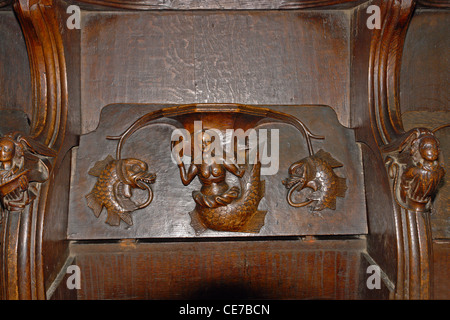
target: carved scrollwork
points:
(23, 165)
(316, 172)
(413, 165)
(113, 189)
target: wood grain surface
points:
(290, 269)
(425, 64)
(214, 4)
(15, 79)
(243, 57)
(441, 255)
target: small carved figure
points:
(23, 161)
(112, 190)
(420, 171)
(219, 207)
(316, 172)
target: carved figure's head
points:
(7, 149)
(429, 148)
(206, 139)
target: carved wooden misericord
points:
(218, 206)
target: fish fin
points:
(331, 204)
(255, 223)
(99, 166)
(123, 189)
(328, 158)
(198, 226)
(123, 194)
(126, 217)
(94, 204)
(313, 184)
(341, 187)
(320, 205)
(316, 195)
(113, 218)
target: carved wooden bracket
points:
(22, 163)
(414, 168)
(411, 157)
(24, 166)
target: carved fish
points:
(242, 214)
(316, 172)
(112, 190)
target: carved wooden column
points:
(48, 70)
(411, 158)
(26, 169)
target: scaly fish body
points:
(241, 215)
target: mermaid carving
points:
(219, 207)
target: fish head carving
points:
(316, 172)
(297, 174)
(134, 172)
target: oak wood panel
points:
(425, 63)
(249, 57)
(290, 269)
(15, 79)
(71, 39)
(54, 242)
(214, 4)
(381, 238)
(441, 253)
(383, 292)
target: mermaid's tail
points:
(215, 201)
(241, 214)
